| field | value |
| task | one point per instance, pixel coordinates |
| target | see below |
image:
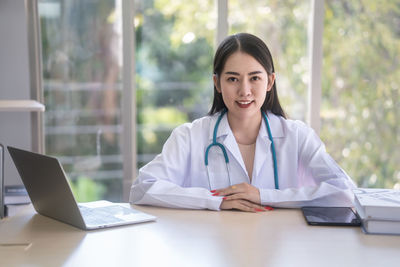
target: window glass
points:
(283, 27)
(174, 57)
(361, 89)
(82, 66)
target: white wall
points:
(15, 127)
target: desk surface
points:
(194, 238)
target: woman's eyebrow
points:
(255, 72)
(232, 73)
(237, 74)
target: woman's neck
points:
(245, 130)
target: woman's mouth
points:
(244, 104)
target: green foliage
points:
(85, 189)
(82, 97)
(162, 116)
(361, 81)
(174, 65)
(198, 17)
(156, 125)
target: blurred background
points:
(174, 46)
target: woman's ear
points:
(216, 83)
(271, 81)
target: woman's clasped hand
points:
(244, 197)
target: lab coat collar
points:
(224, 129)
(275, 124)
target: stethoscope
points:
(215, 143)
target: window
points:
(82, 69)
(174, 53)
(360, 109)
(174, 47)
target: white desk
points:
(195, 238)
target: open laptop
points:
(51, 195)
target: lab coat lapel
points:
(263, 146)
(263, 153)
(232, 146)
(228, 140)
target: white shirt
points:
(177, 177)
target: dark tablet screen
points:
(342, 216)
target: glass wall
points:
(82, 66)
(360, 108)
(174, 57)
(283, 27)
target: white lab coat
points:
(177, 177)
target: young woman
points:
(245, 155)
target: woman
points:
(245, 155)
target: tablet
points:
(336, 216)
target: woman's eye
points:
(255, 78)
(232, 79)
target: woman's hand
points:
(240, 196)
(241, 204)
(240, 191)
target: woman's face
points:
(244, 84)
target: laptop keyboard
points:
(103, 215)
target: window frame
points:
(129, 99)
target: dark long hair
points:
(255, 47)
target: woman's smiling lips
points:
(244, 103)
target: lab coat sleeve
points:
(321, 182)
(161, 182)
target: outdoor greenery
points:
(82, 94)
(174, 47)
(361, 89)
(86, 189)
(174, 54)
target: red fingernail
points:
(224, 198)
(258, 210)
(213, 191)
(215, 194)
(269, 208)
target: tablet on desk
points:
(334, 216)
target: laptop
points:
(51, 196)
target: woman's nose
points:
(245, 88)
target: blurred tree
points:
(85, 189)
(361, 84)
(81, 74)
(174, 52)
